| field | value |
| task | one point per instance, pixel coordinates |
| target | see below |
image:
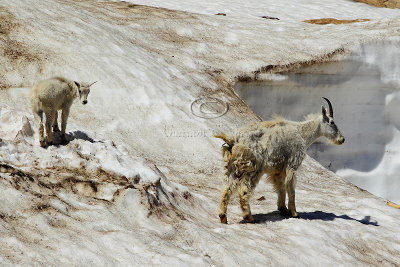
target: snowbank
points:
(288, 10)
(364, 89)
(89, 187)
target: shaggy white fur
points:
(276, 148)
(49, 96)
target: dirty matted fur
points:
(275, 148)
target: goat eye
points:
(332, 122)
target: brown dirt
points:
(14, 54)
(294, 66)
(45, 184)
(124, 13)
(333, 21)
(382, 3)
(10, 48)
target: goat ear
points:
(77, 84)
(323, 111)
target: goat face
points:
(84, 90)
(83, 94)
(328, 126)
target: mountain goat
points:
(51, 95)
(276, 148)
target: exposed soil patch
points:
(382, 3)
(333, 21)
(297, 65)
(268, 17)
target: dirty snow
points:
(124, 190)
(288, 10)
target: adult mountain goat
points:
(49, 96)
(276, 148)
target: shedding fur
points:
(49, 96)
(275, 148)
(227, 147)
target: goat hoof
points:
(56, 129)
(223, 218)
(50, 143)
(42, 143)
(64, 142)
(295, 215)
(284, 211)
(248, 219)
(63, 137)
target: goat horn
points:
(330, 107)
(92, 83)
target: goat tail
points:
(226, 148)
(228, 140)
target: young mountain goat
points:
(51, 95)
(275, 148)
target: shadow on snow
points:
(315, 215)
(70, 137)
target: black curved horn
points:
(92, 83)
(330, 107)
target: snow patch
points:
(12, 126)
(231, 39)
